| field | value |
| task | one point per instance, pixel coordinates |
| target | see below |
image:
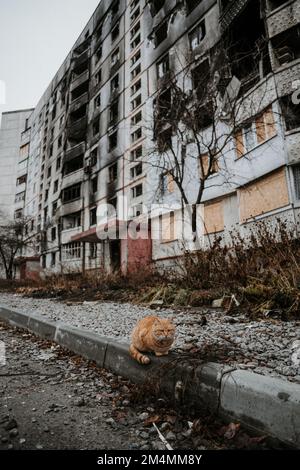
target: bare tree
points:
(197, 115)
(12, 243)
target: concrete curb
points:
(264, 404)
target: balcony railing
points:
(283, 18)
(74, 152)
(80, 60)
(79, 79)
(77, 129)
(79, 102)
(231, 12)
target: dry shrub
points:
(265, 265)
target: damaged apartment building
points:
(88, 140)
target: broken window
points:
(113, 172)
(156, 6)
(163, 66)
(115, 57)
(200, 79)
(114, 112)
(197, 35)
(164, 140)
(114, 84)
(291, 113)
(247, 46)
(115, 32)
(192, 4)
(113, 140)
(115, 8)
(53, 259)
(93, 216)
(58, 163)
(54, 208)
(98, 77)
(98, 54)
(49, 172)
(72, 221)
(96, 127)
(287, 45)
(97, 101)
(73, 165)
(53, 234)
(55, 187)
(94, 156)
(94, 185)
(71, 193)
(161, 33)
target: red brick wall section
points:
(139, 254)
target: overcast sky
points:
(35, 37)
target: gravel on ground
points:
(267, 346)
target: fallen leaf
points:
(230, 431)
(152, 419)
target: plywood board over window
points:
(265, 125)
(264, 195)
(213, 217)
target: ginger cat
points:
(151, 334)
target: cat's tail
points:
(139, 357)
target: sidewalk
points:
(265, 404)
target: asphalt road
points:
(52, 401)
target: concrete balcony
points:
(79, 79)
(25, 137)
(72, 178)
(70, 207)
(80, 60)
(79, 102)
(77, 129)
(283, 18)
(66, 235)
(74, 152)
(285, 76)
(293, 145)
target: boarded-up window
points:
(239, 143)
(168, 227)
(267, 194)
(170, 183)
(213, 217)
(205, 159)
(24, 151)
(265, 125)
